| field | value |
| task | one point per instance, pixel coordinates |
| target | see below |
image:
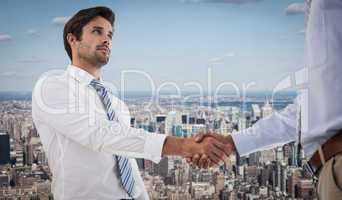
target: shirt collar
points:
(80, 75)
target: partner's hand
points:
(188, 147)
(209, 147)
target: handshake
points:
(203, 150)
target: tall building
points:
(185, 119)
(19, 151)
(173, 118)
(161, 168)
(132, 121)
(267, 156)
(267, 109)
(177, 130)
(160, 118)
(306, 189)
(4, 148)
(279, 154)
(256, 112)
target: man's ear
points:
(71, 39)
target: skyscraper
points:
(4, 148)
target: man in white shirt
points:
(319, 104)
(85, 130)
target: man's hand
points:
(209, 147)
(212, 148)
(202, 161)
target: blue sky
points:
(239, 41)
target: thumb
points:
(216, 136)
(199, 137)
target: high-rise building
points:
(200, 121)
(256, 112)
(219, 183)
(267, 156)
(160, 118)
(185, 119)
(132, 121)
(177, 130)
(191, 120)
(306, 189)
(4, 148)
(161, 168)
(19, 151)
(4, 180)
(279, 154)
(173, 118)
(267, 109)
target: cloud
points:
(14, 74)
(32, 60)
(295, 9)
(32, 32)
(216, 60)
(221, 1)
(230, 54)
(61, 20)
(5, 37)
(220, 60)
(302, 32)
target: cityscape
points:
(254, 45)
(270, 174)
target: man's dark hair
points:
(82, 18)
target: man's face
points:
(95, 44)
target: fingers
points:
(203, 162)
(195, 159)
(212, 154)
(199, 161)
(225, 148)
(214, 159)
(188, 160)
(214, 149)
(207, 151)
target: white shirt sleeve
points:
(272, 131)
(75, 115)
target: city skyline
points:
(269, 174)
(181, 41)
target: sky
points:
(161, 44)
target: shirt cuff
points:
(154, 146)
(243, 143)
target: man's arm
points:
(78, 116)
(272, 131)
(78, 119)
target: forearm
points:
(267, 133)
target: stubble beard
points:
(94, 58)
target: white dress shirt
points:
(80, 141)
(269, 132)
(320, 100)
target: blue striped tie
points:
(124, 166)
